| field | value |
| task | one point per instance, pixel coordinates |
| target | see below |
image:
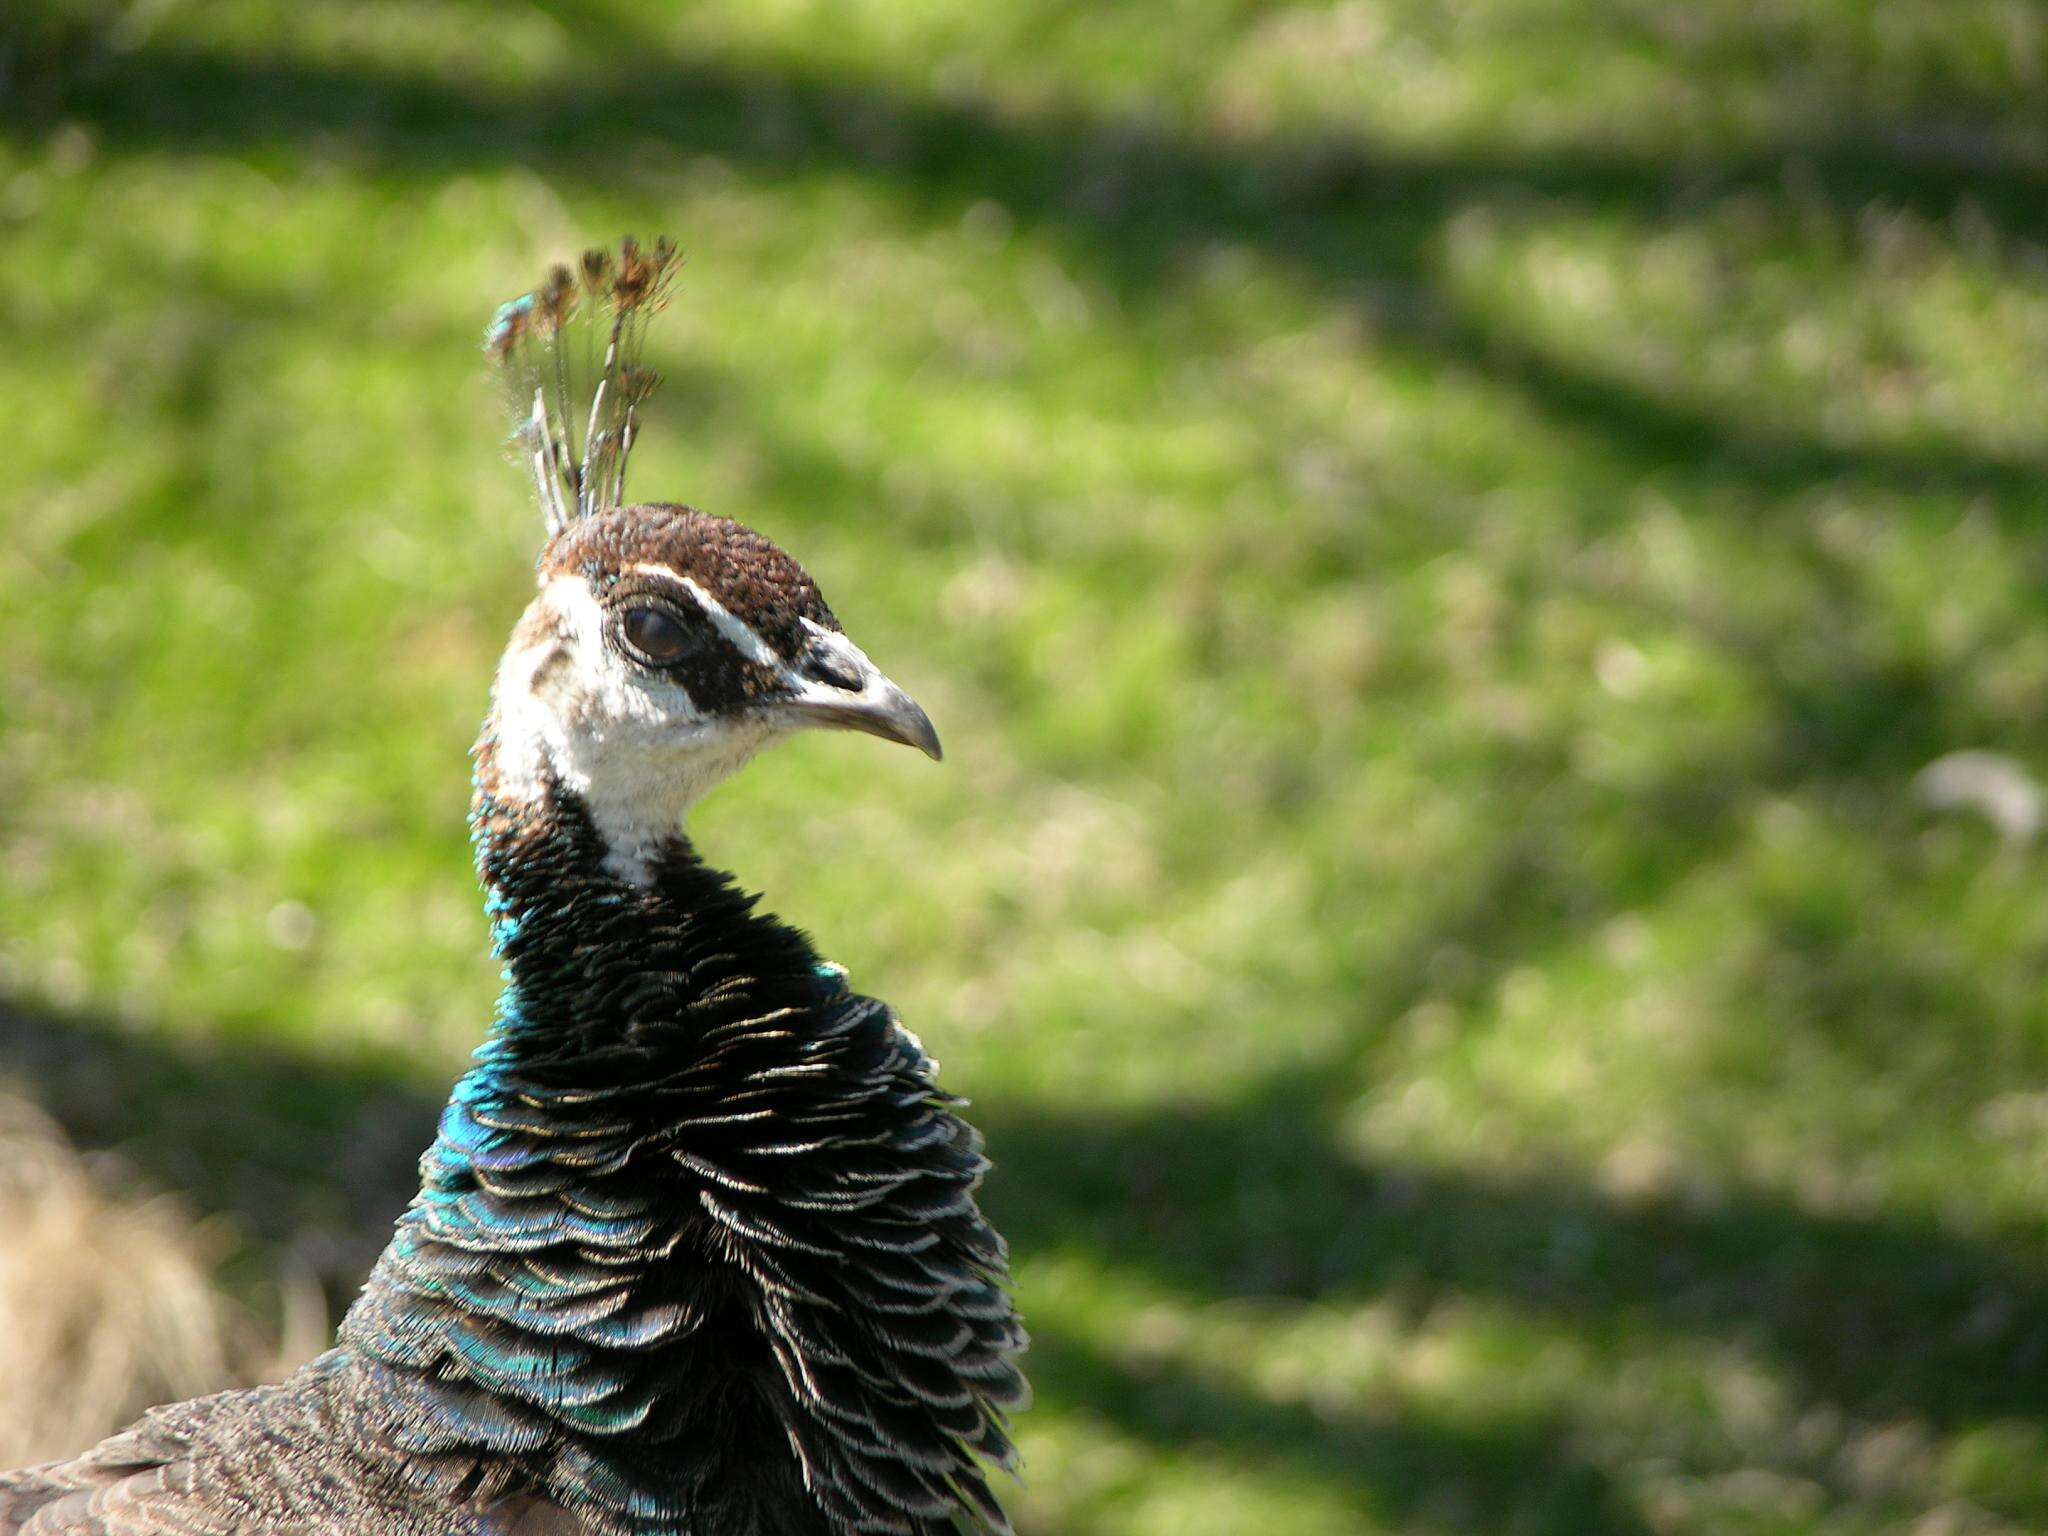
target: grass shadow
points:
(1478, 1477)
(1879, 1315)
(311, 1161)
(1132, 202)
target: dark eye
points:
(654, 634)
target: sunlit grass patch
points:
(1438, 539)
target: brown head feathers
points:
(743, 571)
(569, 354)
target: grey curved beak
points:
(877, 706)
(885, 711)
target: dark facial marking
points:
(555, 672)
(657, 625)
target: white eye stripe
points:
(736, 630)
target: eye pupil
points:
(654, 634)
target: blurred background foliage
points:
(1439, 537)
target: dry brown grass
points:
(110, 1299)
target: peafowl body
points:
(696, 1248)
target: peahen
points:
(696, 1248)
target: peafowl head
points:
(664, 647)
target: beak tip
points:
(887, 712)
(919, 732)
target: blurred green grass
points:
(1438, 539)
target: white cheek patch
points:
(538, 685)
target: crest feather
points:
(546, 346)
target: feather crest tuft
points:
(577, 337)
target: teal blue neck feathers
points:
(695, 1248)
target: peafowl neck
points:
(695, 1246)
(605, 975)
